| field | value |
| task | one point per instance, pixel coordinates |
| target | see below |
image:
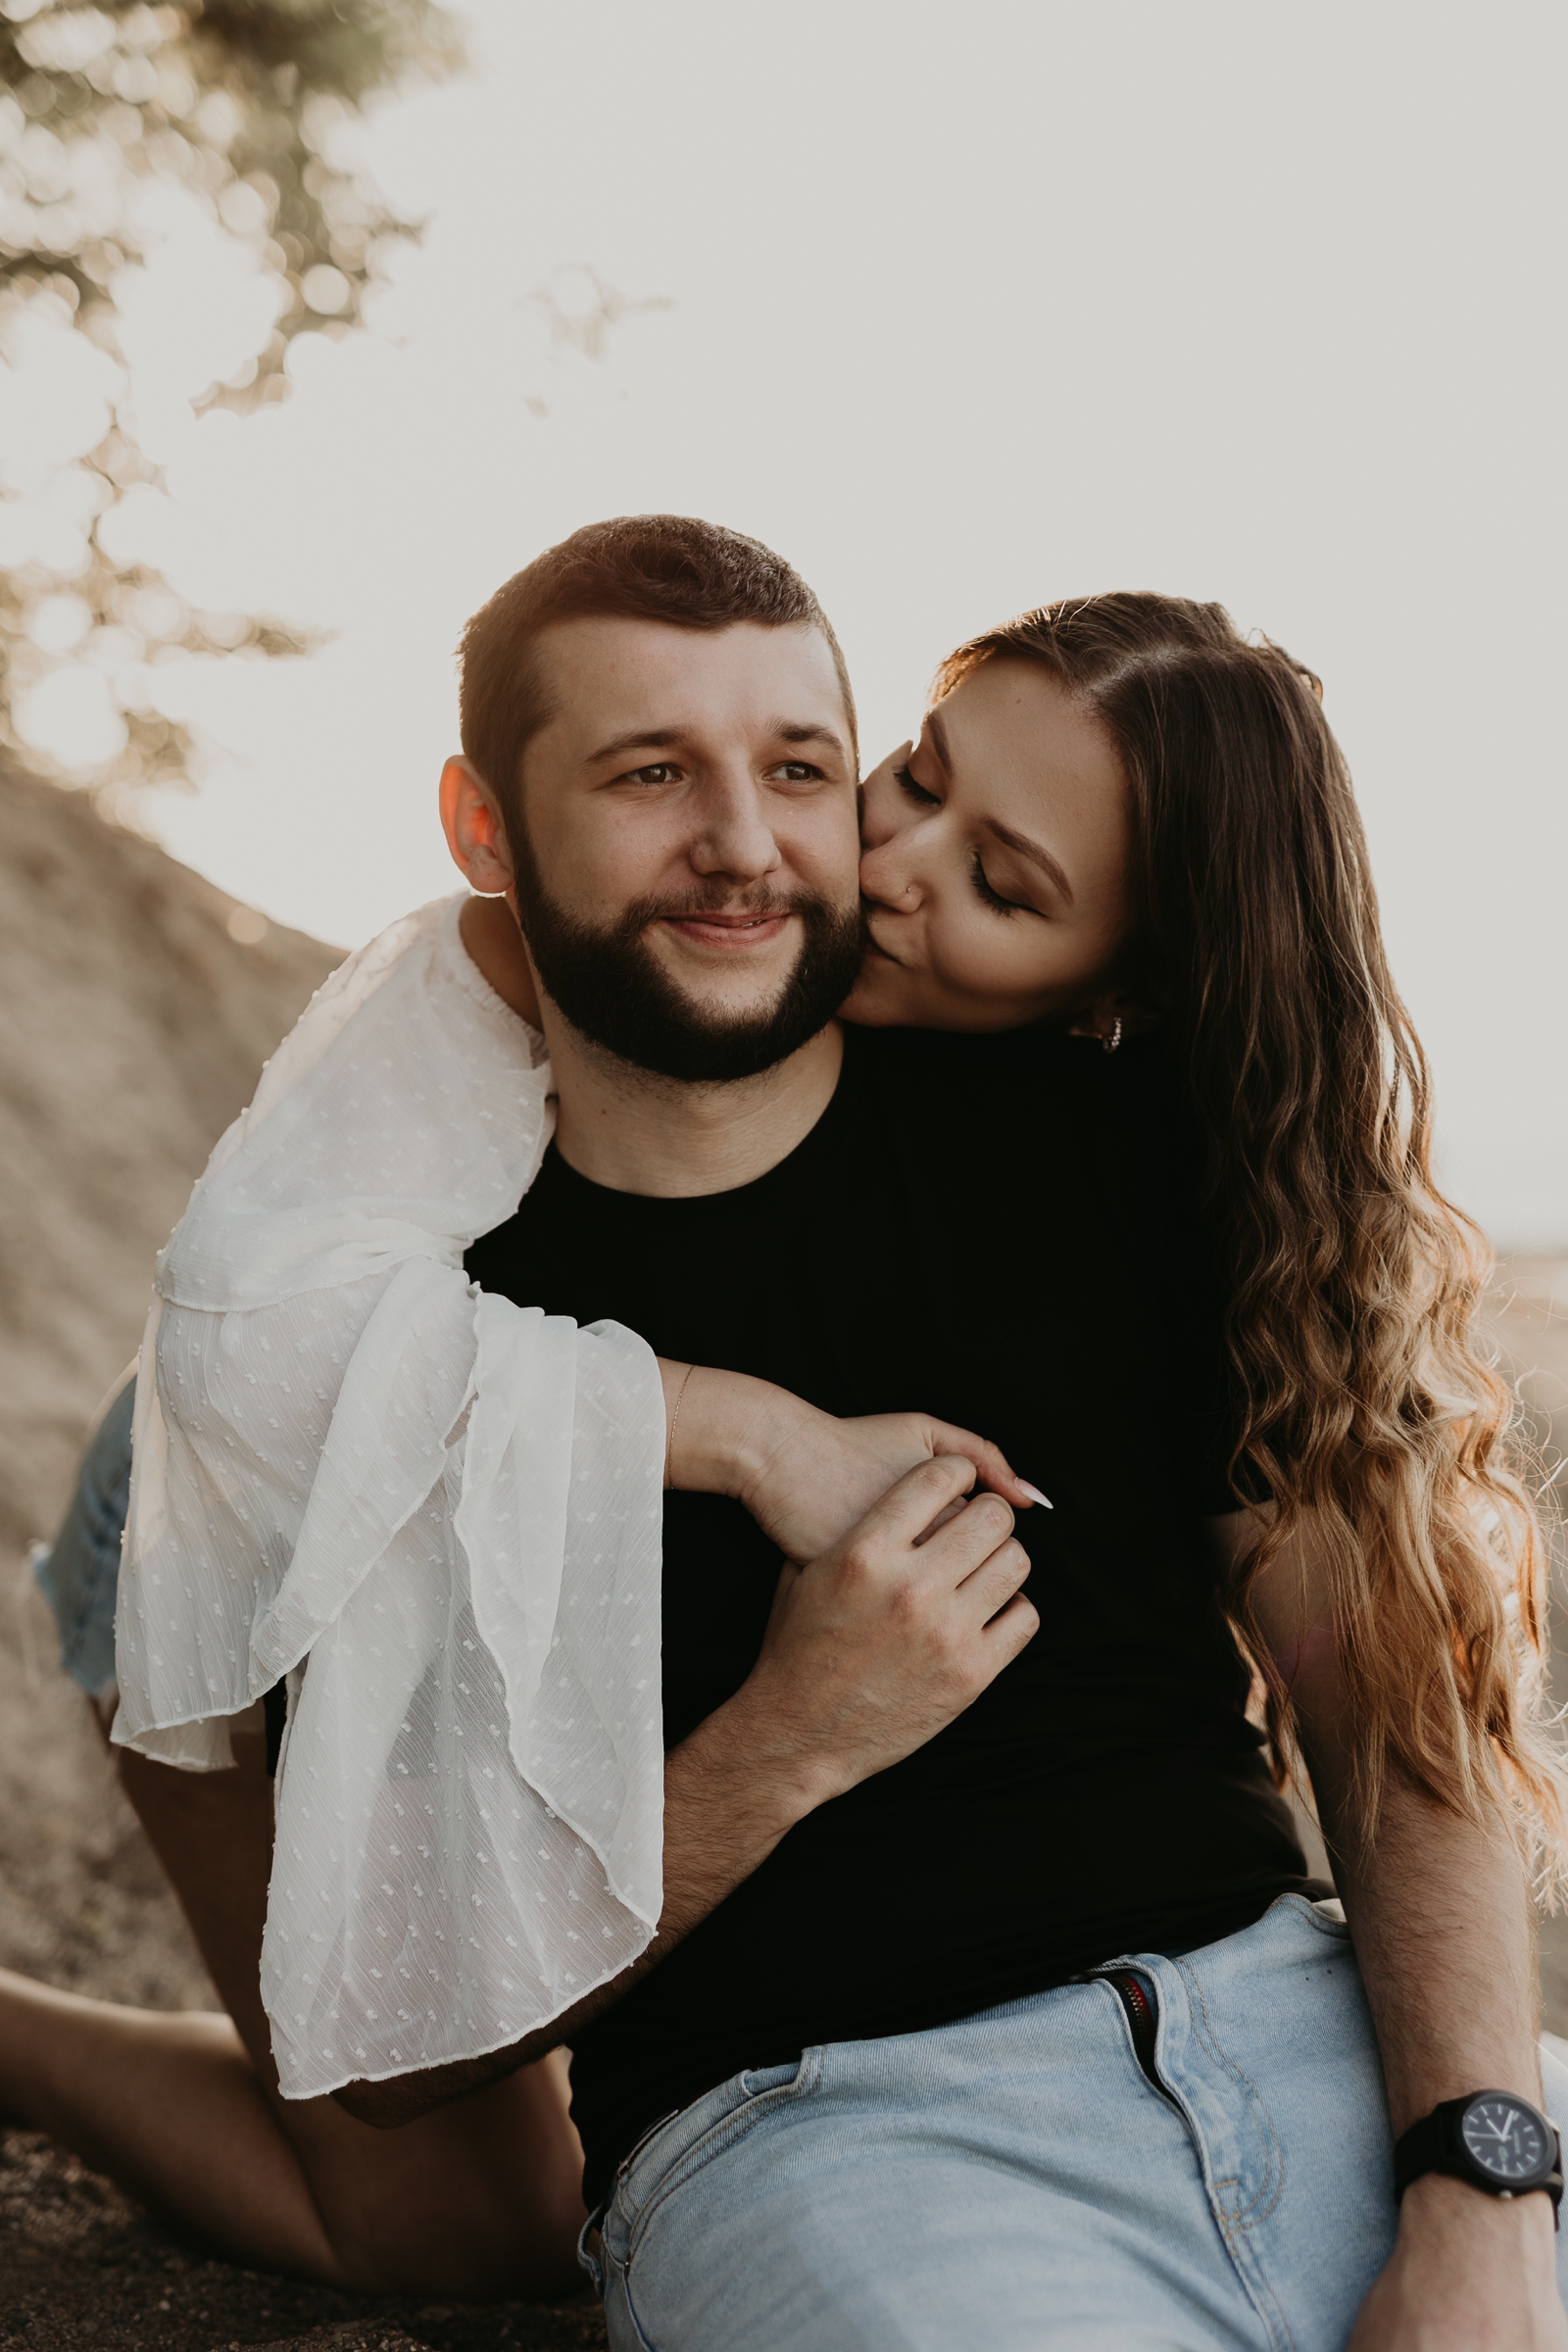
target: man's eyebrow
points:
(793, 731)
(637, 739)
(663, 739)
(1034, 852)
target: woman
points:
(1122, 819)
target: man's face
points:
(688, 880)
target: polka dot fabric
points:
(437, 1514)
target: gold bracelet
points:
(669, 1441)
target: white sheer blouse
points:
(436, 1513)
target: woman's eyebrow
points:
(939, 740)
(1034, 852)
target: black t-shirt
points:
(999, 1231)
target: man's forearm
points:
(1441, 1918)
(1444, 1935)
(725, 1809)
(1438, 1906)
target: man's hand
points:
(804, 1475)
(869, 1652)
(873, 1648)
(1468, 2273)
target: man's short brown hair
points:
(669, 567)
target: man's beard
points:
(611, 987)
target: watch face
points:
(1505, 2138)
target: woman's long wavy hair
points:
(1353, 1287)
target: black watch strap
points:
(1435, 2145)
(1427, 2147)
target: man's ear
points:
(476, 837)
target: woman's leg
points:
(171, 2107)
(481, 2199)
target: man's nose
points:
(735, 836)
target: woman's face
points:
(995, 865)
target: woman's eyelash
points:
(992, 898)
(916, 792)
(977, 871)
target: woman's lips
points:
(874, 945)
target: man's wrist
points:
(1440, 2204)
(776, 1778)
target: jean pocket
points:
(591, 2255)
(750, 2098)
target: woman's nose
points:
(887, 875)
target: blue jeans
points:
(1017, 2182)
(79, 1574)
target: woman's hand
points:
(804, 1475)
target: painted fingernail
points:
(1035, 1495)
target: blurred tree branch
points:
(241, 106)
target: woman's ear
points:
(476, 833)
(1116, 1014)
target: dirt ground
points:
(144, 1002)
(84, 2270)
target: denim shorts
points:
(1019, 2182)
(79, 1572)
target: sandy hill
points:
(137, 1024)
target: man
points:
(988, 2137)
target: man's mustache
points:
(718, 901)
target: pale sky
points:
(967, 309)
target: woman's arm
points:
(1442, 1922)
(804, 1475)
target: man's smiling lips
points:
(731, 933)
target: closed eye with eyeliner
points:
(983, 888)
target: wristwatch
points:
(1494, 2139)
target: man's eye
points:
(916, 792)
(662, 771)
(797, 771)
